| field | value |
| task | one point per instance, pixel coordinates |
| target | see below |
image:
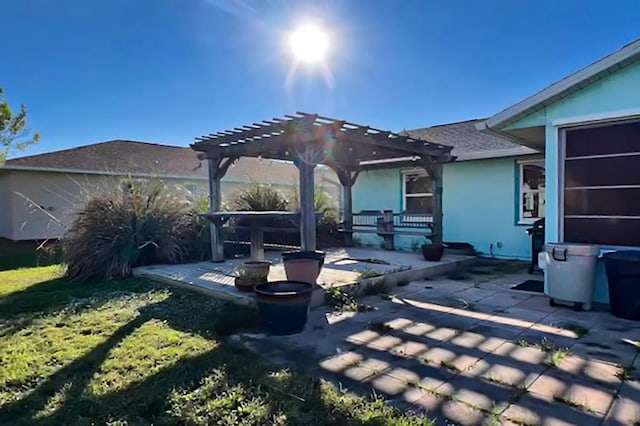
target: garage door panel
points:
(609, 202)
(603, 171)
(609, 232)
(604, 140)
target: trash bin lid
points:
(574, 249)
(627, 255)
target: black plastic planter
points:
(284, 306)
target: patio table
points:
(256, 225)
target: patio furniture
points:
(388, 224)
(256, 220)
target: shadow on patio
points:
(474, 353)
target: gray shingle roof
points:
(144, 158)
(468, 143)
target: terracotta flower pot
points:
(303, 270)
(432, 252)
(304, 254)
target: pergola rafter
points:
(311, 139)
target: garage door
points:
(602, 184)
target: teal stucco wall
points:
(616, 96)
(479, 206)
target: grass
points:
(369, 273)
(553, 360)
(133, 352)
(577, 329)
(571, 403)
(450, 366)
(625, 372)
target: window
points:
(192, 188)
(418, 196)
(531, 200)
(601, 197)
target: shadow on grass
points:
(26, 254)
(225, 385)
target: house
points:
(39, 193)
(588, 126)
(569, 153)
(486, 198)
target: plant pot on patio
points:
(251, 274)
(304, 254)
(304, 265)
(304, 270)
(432, 252)
(284, 306)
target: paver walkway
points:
(475, 352)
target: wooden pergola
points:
(309, 140)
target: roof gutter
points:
(96, 172)
(550, 94)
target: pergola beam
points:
(310, 139)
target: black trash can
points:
(623, 274)
(537, 241)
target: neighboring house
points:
(40, 193)
(487, 196)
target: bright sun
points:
(309, 43)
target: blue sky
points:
(169, 70)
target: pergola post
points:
(307, 211)
(434, 171)
(347, 178)
(217, 169)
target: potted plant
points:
(304, 266)
(251, 274)
(432, 252)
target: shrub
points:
(322, 201)
(258, 198)
(145, 224)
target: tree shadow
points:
(19, 310)
(296, 397)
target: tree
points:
(14, 134)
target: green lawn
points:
(132, 352)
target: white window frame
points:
(521, 163)
(405, 174)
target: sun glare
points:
(309, 43)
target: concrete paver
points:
(470, 352)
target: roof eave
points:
(557, 90)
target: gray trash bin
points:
(570, 273)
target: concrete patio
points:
(466, 349)
(343, 269)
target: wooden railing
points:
(388, 224)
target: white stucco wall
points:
(6, 223)
(42, 205)
(36, 205)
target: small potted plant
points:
(432, 252)
(251, 274)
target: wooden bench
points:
(388, 224)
